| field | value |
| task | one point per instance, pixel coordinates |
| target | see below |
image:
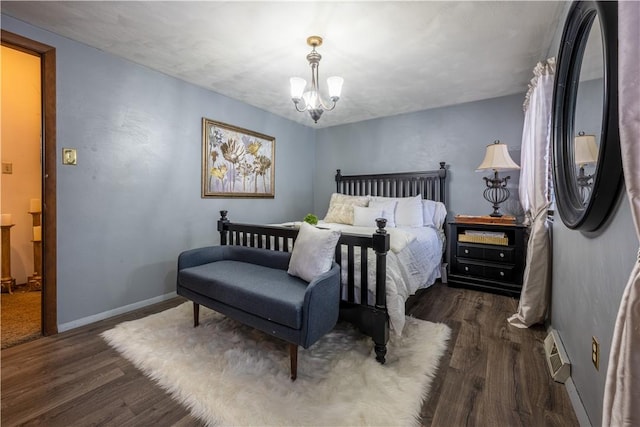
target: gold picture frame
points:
(236, 162)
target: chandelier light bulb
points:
(311, 98)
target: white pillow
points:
(434, 213)
(388, 207)
(440, 215)
(312, 252)
(409, 212)
(428, 212)
(366, 217)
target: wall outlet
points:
(595, 353)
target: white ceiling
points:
(395, 57)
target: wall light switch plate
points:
(69, 156)
(7, 167)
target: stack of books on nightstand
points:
(486, 219)
(486, 237)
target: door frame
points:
(47, 56)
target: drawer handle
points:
(466, 269)
(502, 274)
(501, 254)
(466, 251)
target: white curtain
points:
(534, 196)
(621, 406)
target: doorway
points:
(21, 197)
(47, 56)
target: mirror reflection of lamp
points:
(497, 159)
(585, 153)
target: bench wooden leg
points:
(196, 314)
(293, 354)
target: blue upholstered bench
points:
(252, 286)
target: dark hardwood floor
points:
(492, 374)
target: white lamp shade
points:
(335, 86)
(297, 87)
(497, 158)
(586, 150)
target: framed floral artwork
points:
(236, 162)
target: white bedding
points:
(413, 262)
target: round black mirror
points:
(586, 149)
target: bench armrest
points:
(200, 256)
(322, 303)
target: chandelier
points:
(310, 100)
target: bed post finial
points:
(442, 164)
(338, 179)
(223, 223)
(381, 223)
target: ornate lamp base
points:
(496, 192)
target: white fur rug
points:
(230, 374)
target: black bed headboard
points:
(431, 184)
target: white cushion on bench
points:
(313, 252)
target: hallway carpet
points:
(21, 317)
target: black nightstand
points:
(487, 262)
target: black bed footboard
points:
(370, 317)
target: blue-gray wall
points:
(589, 275)
(132, 203)
(457, 135)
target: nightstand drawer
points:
(500, 255)
(486, 253)
(503, 273)
(469, 268)
(469, 251)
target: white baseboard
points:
(116, 311)
(578, 407)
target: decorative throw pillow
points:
(388, 207)
(312, 252)
(340, 213)
(366, 217)
(341, 208)
(351, 200)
